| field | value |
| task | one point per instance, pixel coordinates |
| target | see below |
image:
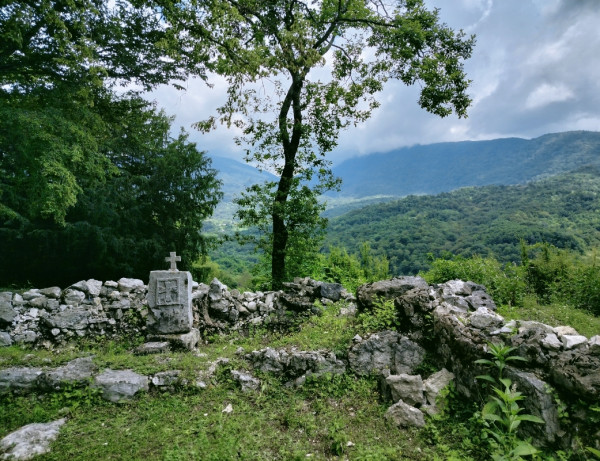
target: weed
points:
(502, 413)
(383, 316)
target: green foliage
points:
(502, 413)
(351, 270)
(153, 200)
(383, 316)
(485, 221)
(296, 122)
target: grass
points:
(554, 315)
(331, 417)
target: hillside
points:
(443, 167)
(563, 210)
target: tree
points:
(159, 191)
(55, 56)
(272, 52)
(92, 184)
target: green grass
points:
(331, 417)
(554, 315)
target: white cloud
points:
(547, 94)
(534, 68)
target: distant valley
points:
(462, 198)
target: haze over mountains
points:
(442, 167)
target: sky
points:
(535, 69)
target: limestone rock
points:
(295, 364)
(7, 313)
(76, 372)
(73, 297)
(404, 415)
(594, 345)
(538, 402)
(19, 379)
(184, 341)
(127, 285)
(385, 352)
(51, 292)
(369, 293)
(331, 291)
(30, 441)
(484, 318)
(167, 379)
(572, 341)
(75, 318)
(153, 347)
(408, 388)
(248, 382)
(31, 294)
(551, 342)
(120, 385)
(435, 383)
(5, 339)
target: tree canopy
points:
(92, 184)
(301, 71)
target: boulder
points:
(75, 318)
(127, 285)
(5, 339)
(120, 385)
(30, 441)
(51, 292)
(539, 402)
(7, 313)
(77, 372)
(19, 379)
(435, 383)
(331, 291)
(408, 388)
(167, 380)
(384, 353)
(73, 297)
(484, 318)
(404, 415)
(371, 293)
(247, 382)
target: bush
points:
(506, 284)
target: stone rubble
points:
(450, 325)
(30, 441)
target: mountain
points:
(563, 210)
(236, 176)
(442, 167)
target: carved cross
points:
(173, 259)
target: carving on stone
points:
(167, 291)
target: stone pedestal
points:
(170, 302)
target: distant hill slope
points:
(442, 167)
(236, 176)
(563, 210)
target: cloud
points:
(547, 94)
(535, 70)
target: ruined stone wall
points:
(451, 324)
(94, 309)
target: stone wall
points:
(94, 309)
(451, 324)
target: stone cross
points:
(173, 259)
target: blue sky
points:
(535, 70)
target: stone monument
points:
(170, 306)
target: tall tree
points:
(159, 191)
(273, 54)
(55, 56)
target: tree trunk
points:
(290, 149)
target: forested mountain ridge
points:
(563, 210)
(442, 167)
